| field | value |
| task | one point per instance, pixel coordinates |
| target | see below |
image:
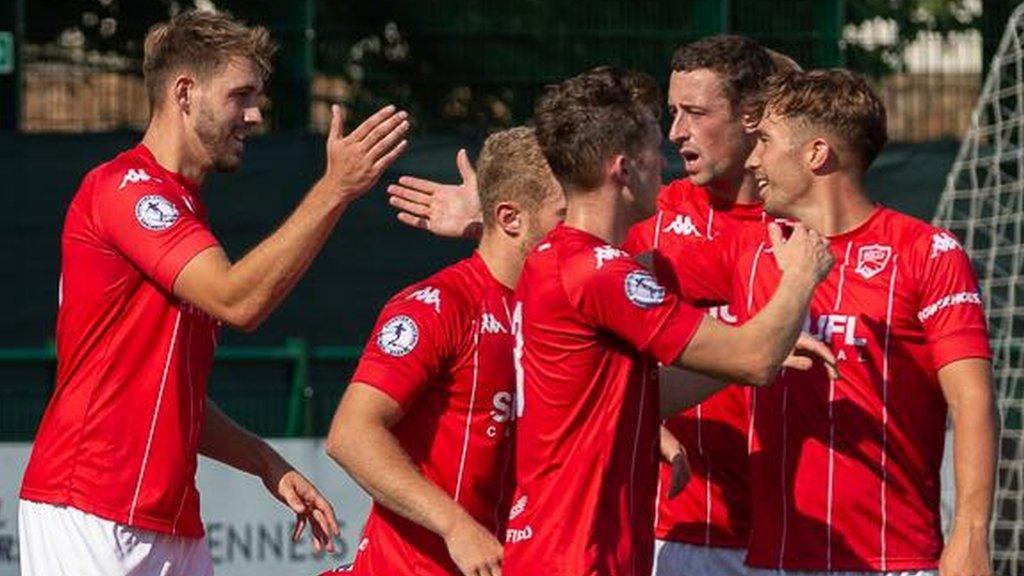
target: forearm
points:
(225, 441)
(683, 389)
(974, 457)
(372, 455)
(259, 281)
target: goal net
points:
(983, 203)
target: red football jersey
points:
(593, 324)
(714, 508)
(845, 474)
(442, 349)
(119, 437)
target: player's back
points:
(585, 457)
(442, 349)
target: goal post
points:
(983, 204)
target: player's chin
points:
(228, 162)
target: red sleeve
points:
(951, 310)
(701, 270)
(619, 295)
(153, 229)
(413, 339)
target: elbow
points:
(759, 370)
(338, 445)
(242, 318)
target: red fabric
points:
(845, 474)
(442, 348)
(714, 507)
(593, 324)
(119, 437)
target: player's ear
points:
(620, 168)
(509, 218)
(819, 154)
(182, 92)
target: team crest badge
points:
(872, 259)
(643, 290)
(155, 212)
(398, 336)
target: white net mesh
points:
(983, 203)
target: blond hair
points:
(511, 167)
(201, 42)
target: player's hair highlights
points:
(200, 42)
(511, 168)
(582, 122)
(741, 63)
(839, 102)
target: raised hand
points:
(451, 210)
(356, 161)
(805, 253)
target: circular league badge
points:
(398, 336)
(155, 212)
(643, 290)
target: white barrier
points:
(248, 531)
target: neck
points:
(837, 204)
(737, 188)
(599, 212)
(503, 257)
(165, 138)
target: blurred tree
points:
(910, 18)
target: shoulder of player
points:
(583, 264)
(446, 295)
(920, 241)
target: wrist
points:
(798, 280)
(337, 195)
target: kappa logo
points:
(606, 253)
(429, 296)
(398, 336)
(134, 176)
(683, 226)
(942, 243)
(490, 325)
(155, 212)
(872, 259)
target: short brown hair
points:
(511, 167)
(586, 119)
(838, 101)
(741, 63)
(201, 41)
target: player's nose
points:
(253, 115)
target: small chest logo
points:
(683, 226)
(872, 259)
(155, 212)
(491, 325)
(605, 253)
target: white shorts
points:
(766, 572)
(680, 559)
(64, 541)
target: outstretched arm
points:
(753, 353)
(244, 293)
(451, 210)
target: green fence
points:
(301, 407)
